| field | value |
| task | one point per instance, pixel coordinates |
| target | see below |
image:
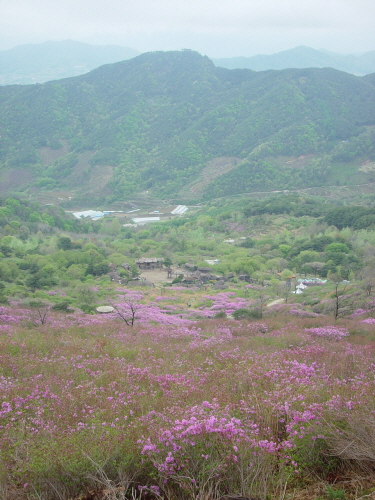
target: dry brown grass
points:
(355, 443)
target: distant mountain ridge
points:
(54, 60)
(173, 125)
(38, 63)
(303, 57)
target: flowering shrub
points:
(209, 443)
(157, 299)
(303, 314)
(368, 321)
(256, 328)
(227, 302)
(358, 312)
(328, 332)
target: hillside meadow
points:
(171, 408)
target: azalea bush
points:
(328, 332)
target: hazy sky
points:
(218, 28)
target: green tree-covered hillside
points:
(156, 121)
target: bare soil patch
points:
(49, 155)
(79, 172)
(367, 166)
(215, 168)
(301, 161)
(15, 179)
(91, 182)
(100, 176)
(159, 276)
(54, 197)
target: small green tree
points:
(64, 243)
(134, 270)
(242, 314)
(63, 306)
(3, 298)
(168, 262)
(284, 290)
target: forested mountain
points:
(41, 62)
(304, 57)
(174, 124)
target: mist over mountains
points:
(38, 63)
(304, 57)
(177, 126)
(53, 60)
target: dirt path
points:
(274, 302)
(156, 276)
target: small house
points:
(190, 267)
(244, 277)
(146, 263)
(204, 270)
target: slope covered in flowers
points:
(183, 409)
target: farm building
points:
(140, 221)
(150, 263)
(93, 214)
(179, 210)
(204, 270)
(190, 267)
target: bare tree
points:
(40, 312)
(261, 302)
(284, 290)
(343, 303)
(368, 280)
(43, 314)
(127, 311)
